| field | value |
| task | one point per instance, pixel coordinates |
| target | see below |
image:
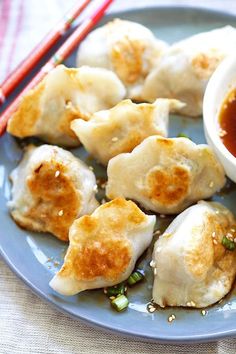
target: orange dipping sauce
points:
(227, 120)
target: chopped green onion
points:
(116, 290)
(120, 303)
(230, 245)
(135, 277)
(183, 135)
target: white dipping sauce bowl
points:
(221, 83)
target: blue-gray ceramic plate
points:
(36, 257)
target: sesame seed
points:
(103, 185)
(152, 264)
(188, 303)
(157, 232)
(217, 212)
(112, 297)
(57, 173)
(193, 303)
(105, 291)
(158, 249)
(155, 271)
(91, 168)
(151, 309)
(215, 242)
(114, 139)
(213, 234)
(203, 312)
(171, 318)
(211, 184)
(95, 188)
(61, 212)
(222, 133)
(162, 216)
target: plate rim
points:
(199, 338)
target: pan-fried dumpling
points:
(186, 67)
(51, 188)
(165, 175)
(104, 247)
(192, 267)
(109, 133)
(127, 48)
(65, 94)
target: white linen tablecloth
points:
(28, 324)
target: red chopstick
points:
(66, 49)
(10, 83)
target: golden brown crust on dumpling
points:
(127, 48)
(98, 245)
(104, 247)
(126, 52)
(63, 95)
(204, 64)
(126, 58)
(23, 122)
(209, 251)
(165, 175)
(50, 189)
(131, 213)
(192, 266)
(106, 258)
(201, 255)
(29, 108)
(168, 186)
(58, 201)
